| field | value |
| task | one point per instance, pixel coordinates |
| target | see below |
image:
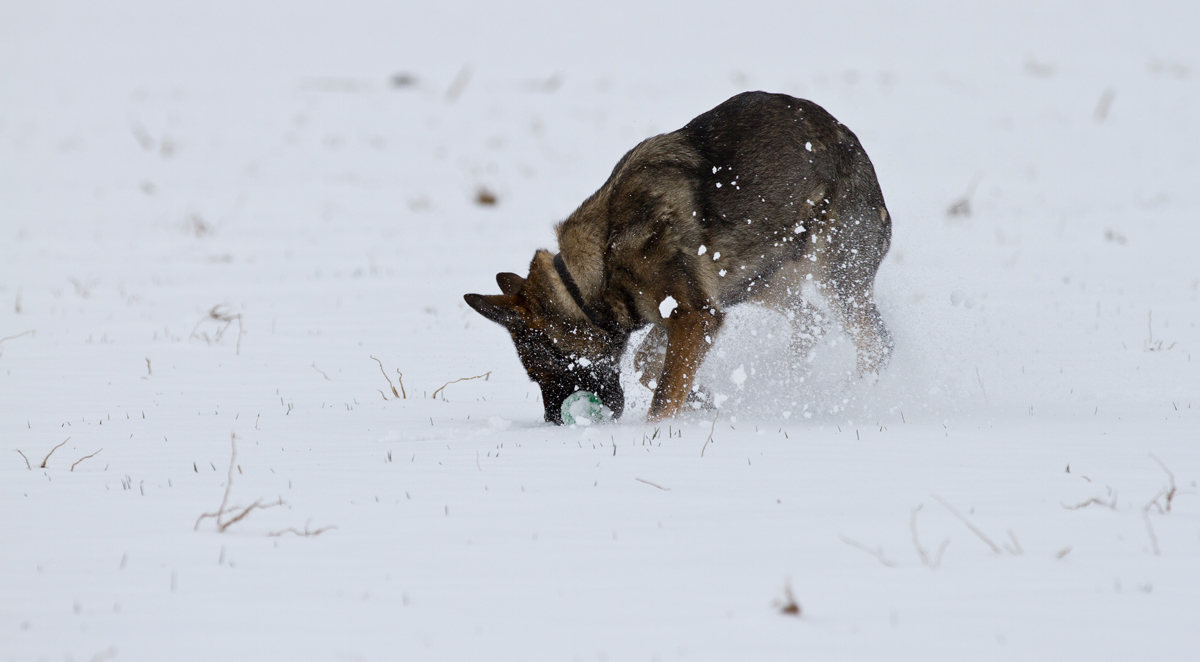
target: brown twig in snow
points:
(1014, 549)
(877, 553)
(303, 534)
(1094, 500)
(52, 452)
(710, 433)
(400, 378)
(246, 511)
(974, 529)
(385, 376)
(643, 480)
(221, 314)
(23, 333)
(25, 458)
(224, 509)
(788, 605)
(84, 458)
(1170, 493)
(1149, 527)
(314, 367)
(933, 563)
(228, 486)
(26, 333)
(485, 376)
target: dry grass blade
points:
(643, 480)
(1149, 526)
(877, 553)
(7, 338)
(43, 466)
(929, 562)
(26, 460)
(484, 376)
(302, 534)
(84, 458)
(228, 487)
(257, 505)
(385, 376)
(974, 529)
(710, 433)
(1170, 493)
(1092, 501)
(1015, 548)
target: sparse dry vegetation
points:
(7, 338)
(877, 552)
(1014, 549)
(221, 314)
(84, 458)
(788, 605)
(238, 512)
(931, 562)
(402, 394)
(484, 377)
(47, 458)
(307, 532)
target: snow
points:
(738, 376)
(667, 306)
(214, 214)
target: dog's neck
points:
(568, 281)
(598, 312)
(582, 245)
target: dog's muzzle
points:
(605, 383)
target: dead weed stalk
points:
(84, 458)
(43, 465)
(484, 377)
(402, 393)
(220, 313)
(238, 512)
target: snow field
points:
(158, 162)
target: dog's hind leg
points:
(847, 260)
(784, 295)
(860, 317)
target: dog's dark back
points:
(739, 180)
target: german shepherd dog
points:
(746, 203)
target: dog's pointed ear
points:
(500, 308)
(509, 283)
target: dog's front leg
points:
(690, 332)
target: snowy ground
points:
(314, 172)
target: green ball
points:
(583, 408)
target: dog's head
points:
(560, 348)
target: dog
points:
(745, 204)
